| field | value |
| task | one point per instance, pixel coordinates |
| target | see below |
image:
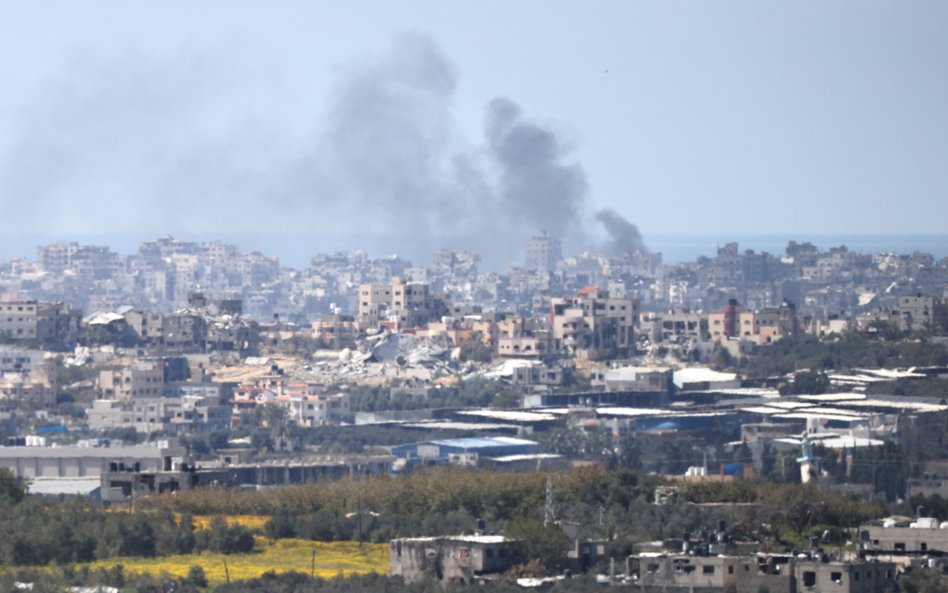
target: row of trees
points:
(852, 350)
(40, 531)
(614, 504)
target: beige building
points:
(35, 320)
(761, 326)
(159, 413)
(456, 560)
(592, 325)
(138, 380)
(407, 304)
(316, 410)
(147, 325)
(682, 573)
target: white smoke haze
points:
(171, 147)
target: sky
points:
(413, 125)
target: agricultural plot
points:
(285, 555)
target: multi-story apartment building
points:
(38, 321)
(180, 414)
(407, 304)
(138, 380)
(88, 262)
(543, 253)
(592, 325)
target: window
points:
(836, 577)
(809, 578)
(489, 553)
(707, 570)
(652, 569)
(730, 569)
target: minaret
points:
(809, 463)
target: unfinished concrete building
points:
(450, 559)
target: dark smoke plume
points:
(536, 185)
(395, 154)
(203, 146)
(625, 238)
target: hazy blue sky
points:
(403, 119)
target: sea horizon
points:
(295, 250)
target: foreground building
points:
(451, 559)
(88, 461)
(684, 573)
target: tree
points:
(721, 359)
(921, 580)
(196, 576)
(282, 524)
(806, 383)
(12, 489)
(225, 539)
(476, 349)
(536, 541)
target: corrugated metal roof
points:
(510, 415)
(482, 442)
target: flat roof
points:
(623, 411)
(832, 397)
(450, 425)
(898, 404)
(511, 415)
(55, 486)
(790, 405)
(475, 442)
(528, 457)
(701, 375)
(806, 415)
(834, 441)
(474, 539)
(143, 451)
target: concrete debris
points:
(379, 358)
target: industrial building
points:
(440, 451)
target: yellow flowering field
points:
(256, 522)
(285, 555)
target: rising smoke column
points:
(537, 189)
(396, 156)
(625, 237)
(388, 136)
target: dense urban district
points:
(192, 417)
